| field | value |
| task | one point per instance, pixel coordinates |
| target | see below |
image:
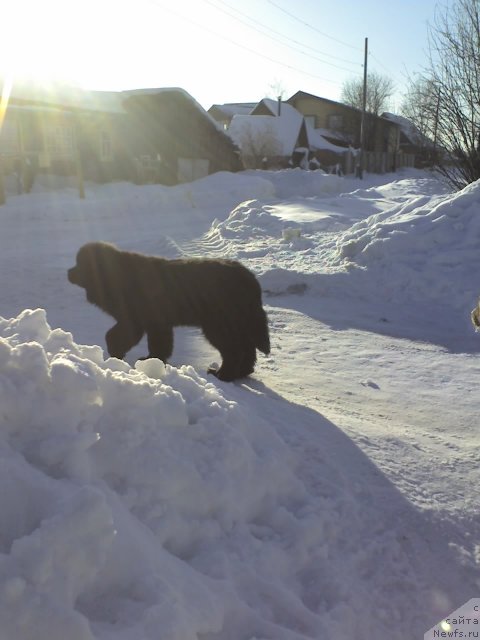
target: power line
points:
(241, 46)
(306, 24)
(378, 61)
(285, 37)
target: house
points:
(276, 135)
(412, 141)
(175, 137)
(48, 131)
(145, 135)
(223, 113)
(340, 123)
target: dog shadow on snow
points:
(344, 479)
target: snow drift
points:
(139, 502)
(110, 475)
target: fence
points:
(378, 161)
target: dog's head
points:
(94, 271)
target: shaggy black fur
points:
(151, 295)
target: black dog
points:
(151, 295)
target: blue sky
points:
(218, 50)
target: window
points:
(310, 120)
(59, 140)
(335, 122)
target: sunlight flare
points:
(6, 91)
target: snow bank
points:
(297, 182)
(141, 503)
(418, 247)
(115, 483)
(425, 248)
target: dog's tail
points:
(260, 330)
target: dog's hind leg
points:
(160, 342)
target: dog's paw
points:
(213, 368)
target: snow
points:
(279, 132)
(332, 495)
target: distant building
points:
(149, 135)
(414, 142)
(340, 123)
(223, 113)
(276, 135)
(176, 137)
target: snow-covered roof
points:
(55, 97)
(295, 118)
(409, 130)
(317, 140)
(285, 128)
(170, 90)
(233, 108)
(282, 131)
(286, 110)
(73, 97)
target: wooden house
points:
(173, 138)
(57, 131)
(340, 123)
(160, 135)
(276, 135)
(413, 142)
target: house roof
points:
(231, 109)
(58, 97)
(409, 130)
(67, 97)
(317, 139)
(165, 91)
(281, 131)
(285, 129)
(304, 94)
(286, 110)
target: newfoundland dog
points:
(147, 294)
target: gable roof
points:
(284, 130)
(75, 98)
(286, 110)
(316, 140)
(231, 109)
(168, 93)
(281, 131)
(411, 133)
(63, 96)
(304, 94)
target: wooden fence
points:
(378, 161)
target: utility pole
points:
(362, 121)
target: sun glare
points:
(4, 97)
(131, 44)
(58, 40)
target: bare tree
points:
(420, 106)
(379, 89)
(276, 89)
(257, 146)
(451, 105)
